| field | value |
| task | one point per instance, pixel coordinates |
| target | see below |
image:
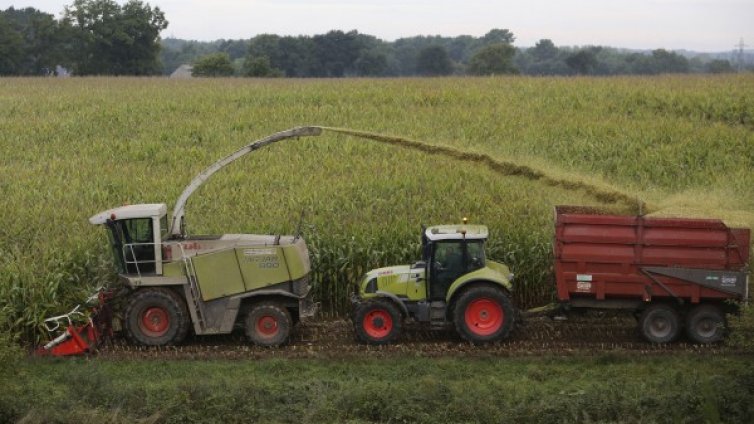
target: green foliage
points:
(423, 390)
(213, 65)
(434, 61)
(109, 39)
(260, 67)
(72, 148)
(495, 59)
(719, 66)
(11, 48)
(371, 63)
(583, 61)
(31, 42)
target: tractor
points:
(454, 285)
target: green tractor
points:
(453, 285)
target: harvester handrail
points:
(176, 227)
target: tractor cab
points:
(449, 252)
(134, 232)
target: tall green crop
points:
(71, 148)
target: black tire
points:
(705, 324)
(659, 323)
(484, 314)
(268, 324)
(377, 322)
(156, 317)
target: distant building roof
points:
(183, 71)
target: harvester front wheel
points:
(268, 324)
(659, 323)
(156, 317)
(377, 322)
(483, 314)
(705, 324)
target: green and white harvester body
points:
(454, 285)
(209, 284)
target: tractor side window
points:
(476, 255)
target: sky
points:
(701, 25)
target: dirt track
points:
(540, 336)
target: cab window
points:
(139, 230)
(476, 255)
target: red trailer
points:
(674, 273)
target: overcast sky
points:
(702, 25)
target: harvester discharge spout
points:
(176, 225)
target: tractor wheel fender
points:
(462, 284)
(395, 299)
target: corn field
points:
(502, 151)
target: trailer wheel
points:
(659, 323)
(377, 322)
(483, 314)
(705, 324)
(268, 324)
(156, 317)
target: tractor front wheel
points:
(156, 317)
(483, 314)
(268, 324)
(377, 322)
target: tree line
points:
(344, 54)
(100, 37)
(93, 37)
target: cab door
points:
(447, 265)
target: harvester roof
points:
(145, 210)
(456, 232)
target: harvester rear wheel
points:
(483, 314)
(705, 324)
(156, 317)
(377, 322)
(659, 323)
(268, 324)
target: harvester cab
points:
(134, 231)
(453, 284)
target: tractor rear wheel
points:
(659, 323)
(268, 324)
(156, 317)
(377, 322)
(705, 324)
(483, 314)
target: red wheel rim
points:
(155, 321)
(378, 323)
(267, 325)
(484, 316)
